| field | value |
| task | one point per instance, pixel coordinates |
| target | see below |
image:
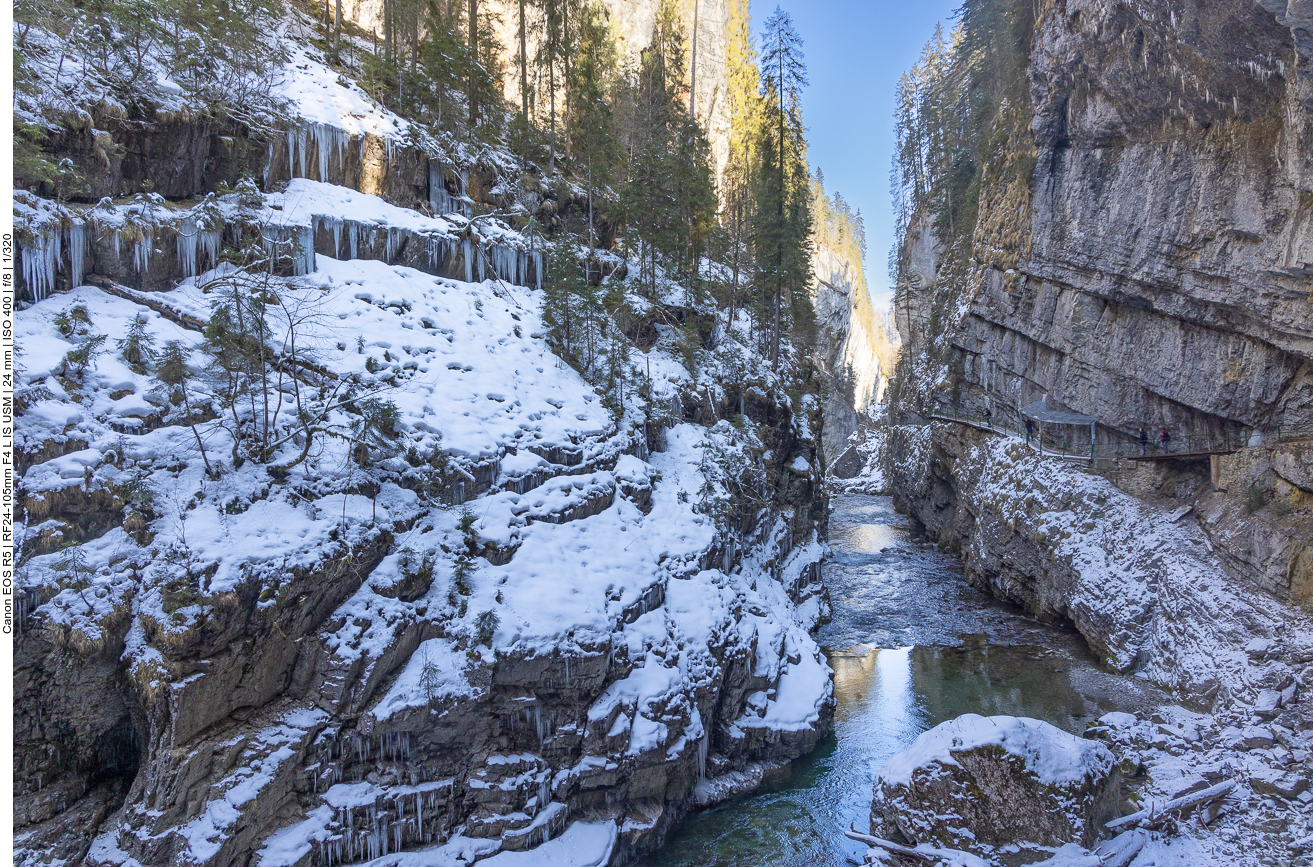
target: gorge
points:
(424, 458)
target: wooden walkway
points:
(1190, 447)
(1175, 456)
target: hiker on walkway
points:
(1030, 429)
(989, 417)
(1144, 441)
(1165, 440)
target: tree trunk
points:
(779, 249)
(474, 62)
(565, 59)
(693, 72)
(551, 98)
(524, 73)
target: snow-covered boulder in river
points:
(982, 783)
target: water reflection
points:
(971, 654)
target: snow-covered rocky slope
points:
(1142, 584)
(446, 600)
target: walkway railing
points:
(1182, 447)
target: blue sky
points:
(855, 53)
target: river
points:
(911, 645)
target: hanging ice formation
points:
(304, 261)
(440, 200)
(187, 243)
(41, 261)
(77, 252)
(142, 249)
(328, 140)
(297, 241)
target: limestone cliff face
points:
(635, 18)
(1158, 269)
(851, 340)
(1166, 247)
(1153, 268)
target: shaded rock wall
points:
(1166, 270)
(1157, 272)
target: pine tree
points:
(743, 81)
(570, 303)
(593, 119)
(782, 220)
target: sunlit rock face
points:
(851, 341)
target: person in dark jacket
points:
(1165, 439)
(1030, 429)
(1144, 441)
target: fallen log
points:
(853, 834)
(1154, 811)
(1121, 851)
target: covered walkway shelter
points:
(1040, 412)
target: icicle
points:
(187, 239)
(297, 141)
(702, 752)
(353, 237)
(439, 201)
(77, 252)
(323, 135)
(142, 250)
(40, 262)
(209, 243)
(304, 261)
(336, 224)
(468, 249)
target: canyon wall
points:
(1157, 269)
(347, 647)
(1146, 258)
(852, 343)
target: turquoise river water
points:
(911, 645)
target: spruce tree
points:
(593, 118)
(782, 220)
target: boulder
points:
(981, 783)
